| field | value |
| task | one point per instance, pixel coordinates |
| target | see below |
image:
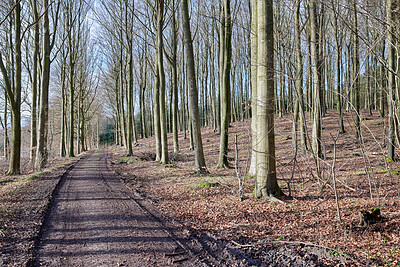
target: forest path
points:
(95, 221)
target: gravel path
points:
(95, 221)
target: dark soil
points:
(24, 201)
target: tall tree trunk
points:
(41, 153)
(34, 82)
(356, 70)
(63, 113)
(316, 76)
(266, 183)
(130, 99)
(5, 129)
(391, 79)
(161, 76)
(299, 104)
(253, 82)
(13, 86)
(225, 89)
(174, 35)
(193, 92)
(338, 69)
(156, 112)
(383, 94)
(71, 84)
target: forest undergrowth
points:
(365, 179)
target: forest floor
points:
(205, 213)
(307, 224)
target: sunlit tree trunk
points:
(338, 69)
(200, 163)
(356, 70)
(253, 80)
(41, 153)
(266, 183)
(13, 87)
(391, 79)
(160, 60)
(225, 86)
(316, 77)
(298, 113)
(34, 82)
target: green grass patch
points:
(96, 155)
(208, 185)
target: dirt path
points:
(95, 221)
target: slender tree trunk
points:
(34, 82)
(156, 112)
(338, 70)
(130, 100)
(41, 153)
(193, 93)
(63, 117)
(316, 76)
(225, 92)
(174, 67)
(391, 79)
(356, 70)
(299, 104)
(161, 76)
(15, 97)
(71, 85)
(383, 94)
(5, 129)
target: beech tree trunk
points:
(266, 182)
(225, 89)
(41, 153)
(34, 82)
(391, 79)
(316, 76)
(13, 85)
(253, 81)
(200, 163)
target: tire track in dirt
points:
(94, 221)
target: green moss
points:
(249, 177)
(96, 155)
(170, 166)
(389, 160)
(208, 185)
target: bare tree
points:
(193, 93)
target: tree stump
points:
(369, 217)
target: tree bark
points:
(391, 79)
(253, 81)
(338, 69)
(225, 89)
(316, 76)
(356, 71)
(160, 60)
(13, 87)
(41, 153)
(266, 183)
(200, 163)
(299, 104)
(34, 82)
